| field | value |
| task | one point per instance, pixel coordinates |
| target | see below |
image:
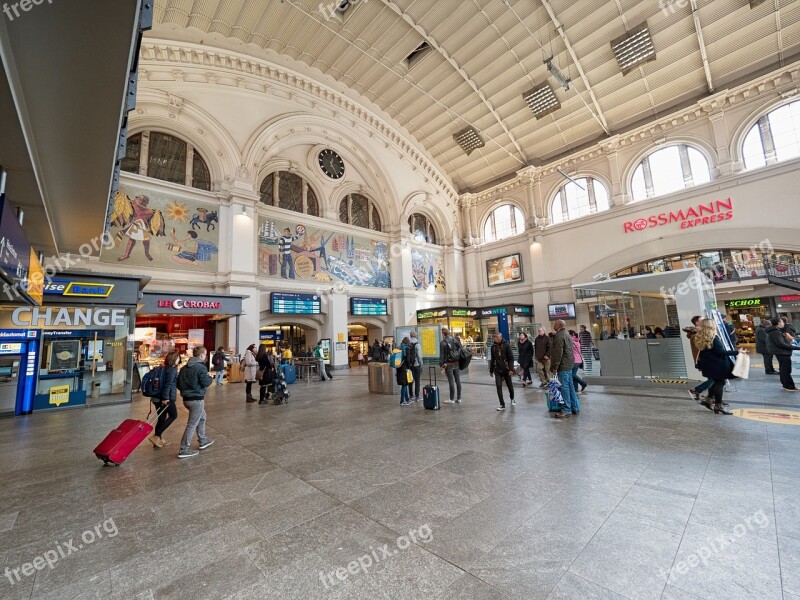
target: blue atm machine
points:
(19, 357)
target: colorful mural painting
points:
(152, 229)
(428, 270)
(294, 251)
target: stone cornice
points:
(258, 74)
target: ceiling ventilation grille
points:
(417, 54)
(541, 100)
(469, 140)
(633, 49)
(754, 3)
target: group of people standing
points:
(777, 338)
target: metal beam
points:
(703, 53)
(560, 29)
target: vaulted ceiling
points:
(484, 54)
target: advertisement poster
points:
(196, 339)
(65, 355)
(429, 338)
(503, 270)
(151, 229)
(293, 250)
(428, 270)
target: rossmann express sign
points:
(693, 216)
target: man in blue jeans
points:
(193, 380)
(561, 361)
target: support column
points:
(618, 195)
(527, 176)
(335, 327)
(719, 127)
(404, 296)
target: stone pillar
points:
(335, 327)
(719, 128)
(144, 151)
(527, 176)
(465, 202)
(404, 296)
(618, 195)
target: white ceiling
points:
(486, 53)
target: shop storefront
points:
(789, 305)
(463, 322)
(746, 314)
(76, 348)
(166, 322)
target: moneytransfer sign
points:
(694, 216)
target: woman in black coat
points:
(267, 367)
(166, 399)
(525, 357)
(715, 363)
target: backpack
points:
(452, 354)
(151, 382)
(217, 360)
(411, 355)
(464, 358)
(396, 360)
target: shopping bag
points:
(554, 400)
(409, 376)
(741, 368)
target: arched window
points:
(167, 158)
(578, 198)
(422, 228)
(290, 191)
(358, 210)
(504, 221)
(774, 138)
(668, 170)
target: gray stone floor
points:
(645, 495)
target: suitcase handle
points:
(432, 370)
(158, 412)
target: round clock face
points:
(331, 164)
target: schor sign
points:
(34, 317)
(743, 302)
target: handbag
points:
(409, 377)
(741, 368)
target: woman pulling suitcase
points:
(168, 396)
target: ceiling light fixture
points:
(469, 140)
(541, 100)
(557, 75)
(634, 48)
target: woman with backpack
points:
(250, 370)
(165, 402)
(267, 369)
(218, 365)
(714, 362)
(403, 370)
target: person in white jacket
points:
(250, 371)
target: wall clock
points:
(331, 164)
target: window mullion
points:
(276, 182)
(767, 141)
(592, 197)
(648, 177)
(686, 167)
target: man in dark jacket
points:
(561, 361)
(761, 346)
(782, 349)
(501, 367)
(193, 380)
(376, 352)
(541, 351)
(448, 361)
(525, 358)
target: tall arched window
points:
(504, 221)
(358, 210)
(774, 138)
(163, 156)
(290, 191)
(422, 228)
(578, 198)
(668, 170)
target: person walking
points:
(218, 365)
(448, 361)
(320, 358)
(586, 347)
(167, 398)
(501, 367)
(691, 334)
(267, 369)
(403, 370)
(416, 366)
(714, 363)
(761, 346)
(525, 358)
(250, 369)
(781, 349)
(193, 379)
(541, 351)
(562, 359)
(578, 358)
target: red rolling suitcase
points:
(118, 445)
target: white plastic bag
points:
(741, 368)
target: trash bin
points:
(381, 379)
(95, 389)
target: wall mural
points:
(428, 270)
(152, 229)
(291, 250)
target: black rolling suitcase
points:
(430, 393)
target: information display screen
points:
(296, 304)
(368, 306)
(564, 310)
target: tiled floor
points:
(645, 495)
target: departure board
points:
(368, 306)
(296, 304)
